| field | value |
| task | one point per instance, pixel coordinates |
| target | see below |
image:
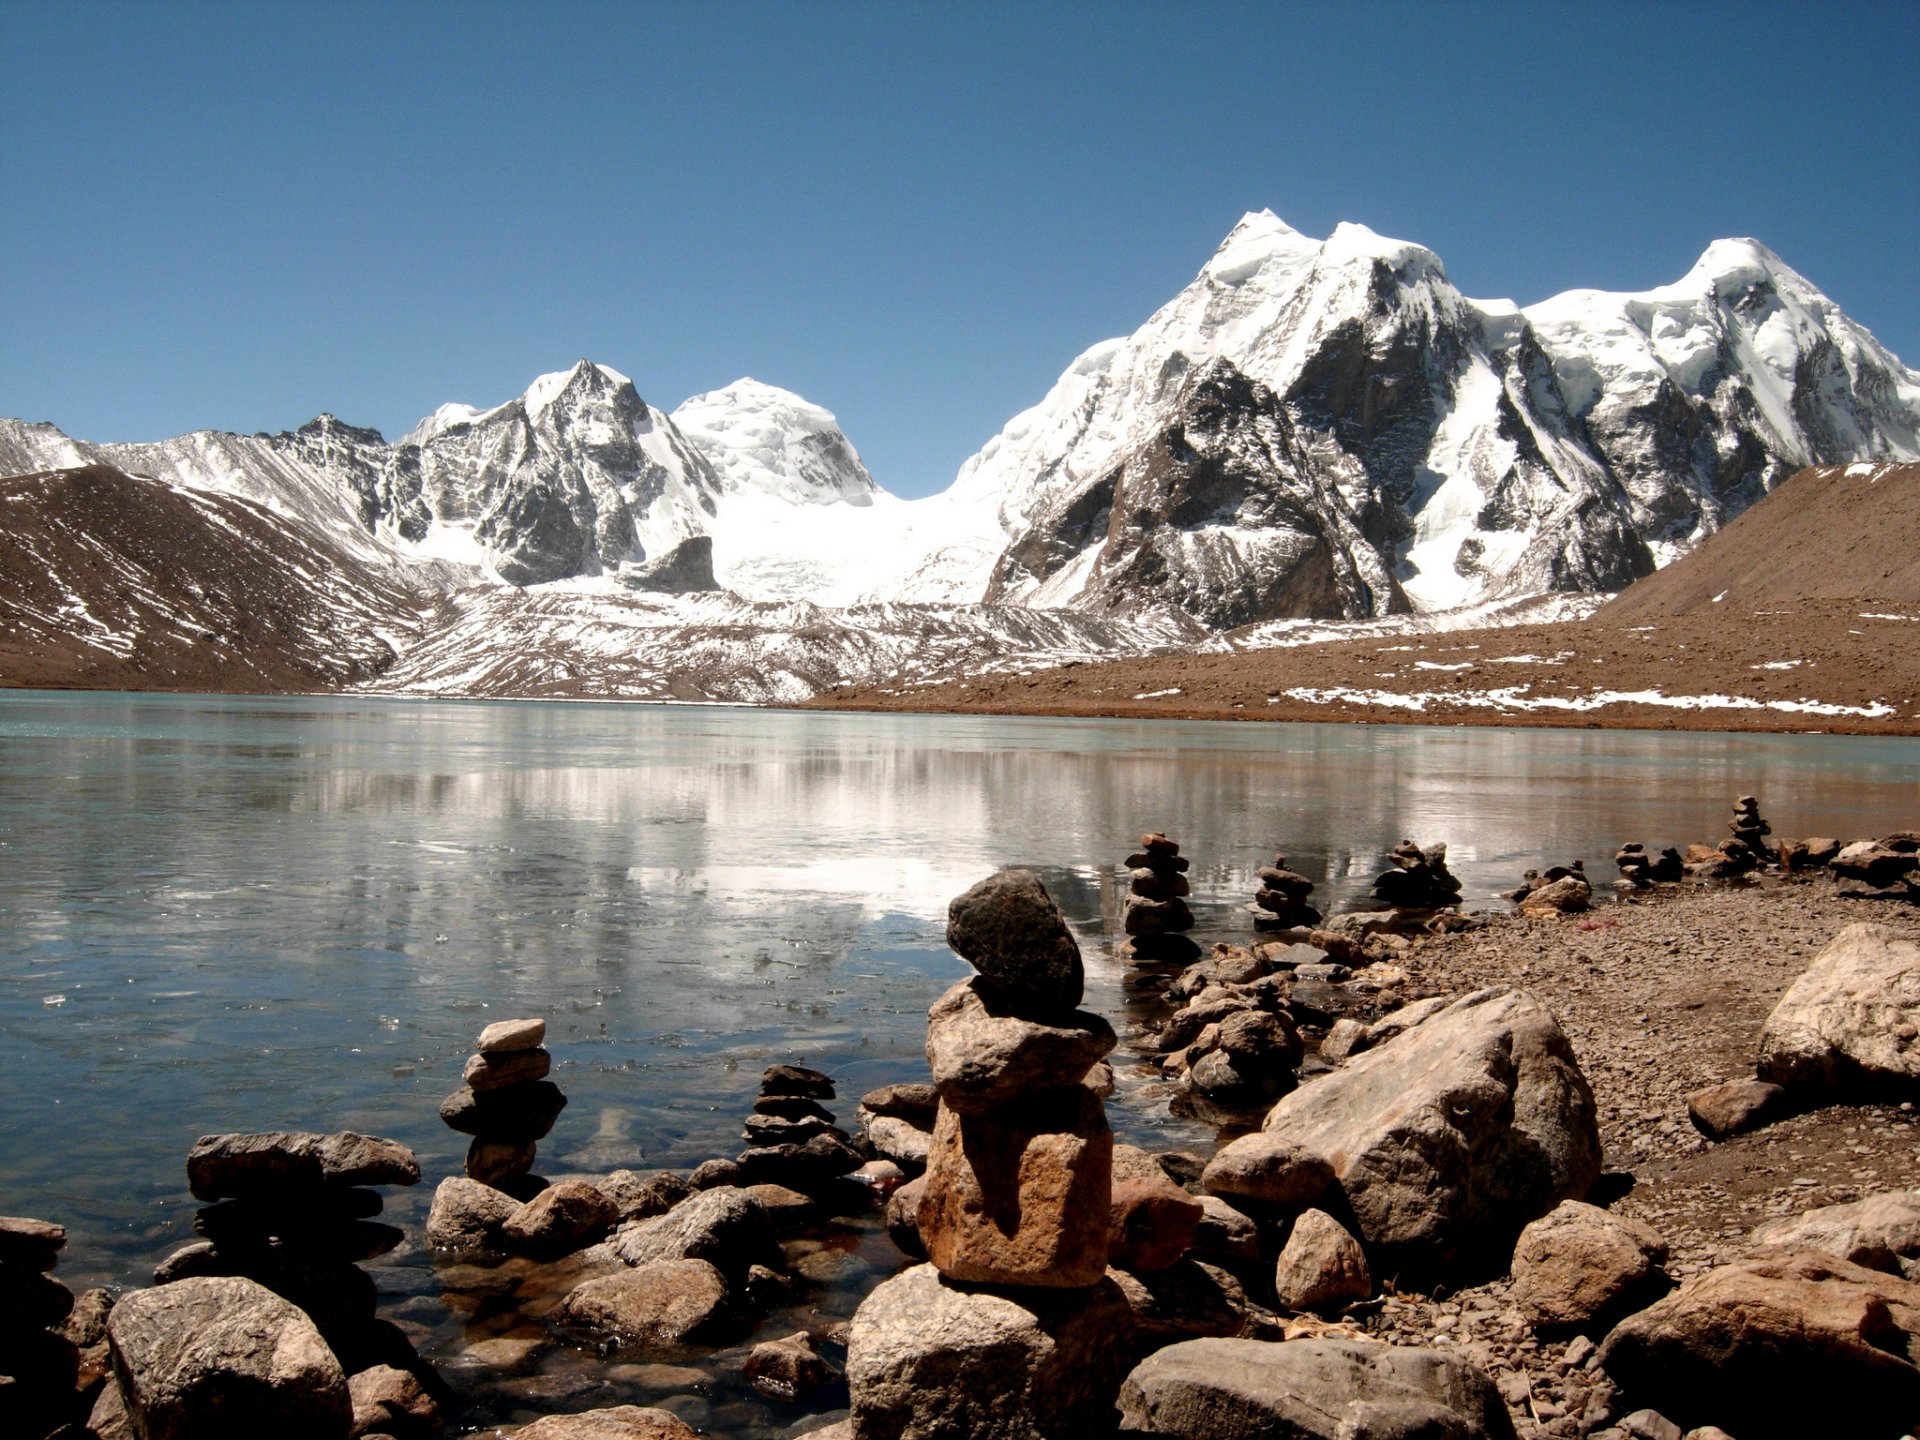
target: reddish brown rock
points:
(1735, 1107)
(1152, 1224)
(504, 1036)
(565, 1217)
(1578, 1263)
(498, 1069)
(1320, 1266)
(1269, 1168)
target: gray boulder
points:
(1311, 1390)
(726, 1227)
(1852, 1018)
(224, 1358)
(1008, 928)
(1877, 1232)
(467, 1215)
(932, 1360)
(1450, 1136)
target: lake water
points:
(240, 913)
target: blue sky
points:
(238, 215)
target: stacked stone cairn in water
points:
(1156, 915)
(1281, 901)
(45, 1386)
(792, 1140)
(1419, 879)
(1013, 1326)
(1641, 871)
(507, 1105)
(1744, 851)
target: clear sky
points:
(238, 215)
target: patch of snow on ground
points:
(1436, 665)
(1517, 698)
(1157, 694)
(1878, 615)
(1776, 665)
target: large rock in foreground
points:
(1852, 1019)
(932, 1360)
(1311, 1390)
(1455, 1133)
(225, 1359)
(1778, 1347)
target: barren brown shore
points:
(1831, 669)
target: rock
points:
(1009, 929)
(30, 1244)
(504, 1036)
(498, 1069)
(788, 1369)
(617, 1422)
(792, 1107)
(1851, 1019)
(1735, 1107)
(1224, 1235)
(903, 1141)
(1450, 1136)
(664, 1309)
(520, 1113)
(819, 1162)
(903, 1218)
(727, 1228)
(1568, 895)
(86, 1323)
(1184, 1301)
(494, 1162)
(1346, 1037)
(1021, 1197)
(1876, 866)
(984, 1054)
(467, 1215)
(1769, 1345)
(33, 1298)
(1152, 1222)
(928, 1358)
(391, 1402)
(1311, 1390)
(716, 1175)
(1270, 1168)
(1877, 1232)
(908, 1102)
(108, 1420)
(782, 1130)
(567, 1216)
(1578, 1263)
(1155, 917)
(1650, 1425)
(788, 1212)
(1320, 1266)
(796, 1080)
(225, 1359)
(240, 1164)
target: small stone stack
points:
(1156, 916)
(1281, 901)
(1419, 879)
(39, 1394)
(1750, 831)
(1641, 871)
(791, 1137)
(507, 1105)
(294, 1212)
(1562, 890)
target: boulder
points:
(616, 1422)
(1152, 1222)
(518, 1113)
(903, 1141)
(390, 1401)
(903, 1218)
(1021, 1197)
(30, 1244)
(1185, 1301)
(1321, 1265)
(1225, 1235)
(1735, 1107)
(1579, 1263)
(223, 1358)
(504, 1036)
(1269, 1168)
(1311, 1390)
(984, 1053)
(1769, 1346)
(728, 1228)
(929, 1359)
(1852, 1019)
(1877, 1232)
(1568, 895)
(566, 1216)
(664, 1310)
(467, 1215)
(1009, 929)
(788, 1369)
(1450, 1136)
(796, 1081)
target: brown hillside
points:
(110, 581)
(1828, 534)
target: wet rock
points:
(1270, 1168)
(495, 1070)
(663, 1309)
(984, 1053)
(796, 1080)
(791, 1107)
(213, 1358)
(820, 1161)
(616, 1422)
(1311, 1390)
(728, 1228)
(931, 1358)
(1735, 1107)
(1021, 1197)
(390, 1401)
(1852, 1019)
(1152, 1222)
(788, 1369)
(567, 1216)
(505, 1036)
(467, 1215)
(1877, 1232)
(30, 1244)
(1010, 930)
(1146, 917)
(783, 1130)
(496, 1162)
(1452, 1135)
(1578, 1263)
(521, 1113)
(1767, 1345)
(788, 1212)
(1321, 1266)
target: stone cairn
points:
(792, 1140)
(1641, 871)
(1744, 851)
(1419, 879)
(294, 1212)
(1281, 901)
(44, 1390)
(1156, 916)
(507, 1105)
(1017, 1195)
(1561, 890)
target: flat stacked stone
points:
(1419, 879)
(507, 1105)
(40, 1394)
(1281, 901)
(792, 1140)
(294, 1212)
(1156, 916)
(1641, 871)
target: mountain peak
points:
(585, 374)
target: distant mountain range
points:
(1311, 429)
